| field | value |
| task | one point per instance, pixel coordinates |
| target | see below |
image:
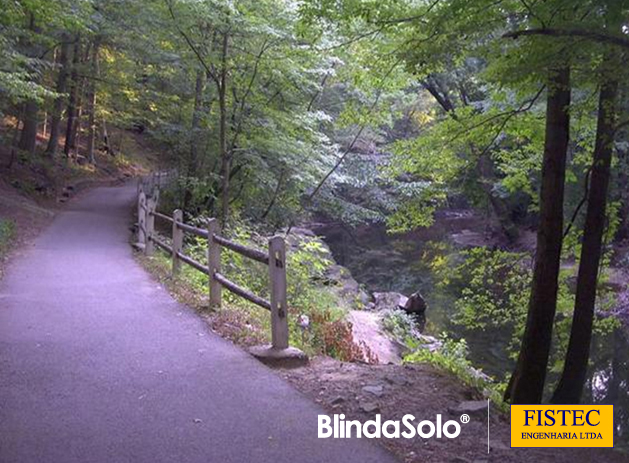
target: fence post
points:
(177, 241)
(214, 262)
(141, 218)
(151, 205)
(279, 305)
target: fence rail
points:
(275, 259)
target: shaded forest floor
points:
(33, 187)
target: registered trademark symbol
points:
(465, 418)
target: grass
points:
(7, 234)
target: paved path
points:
(99, 364)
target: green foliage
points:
(492, 290)
(7, 233)
(452, 357)
(307, 261)
(402, 327)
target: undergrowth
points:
(7, 233)
(328, 332)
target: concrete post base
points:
(290, 357)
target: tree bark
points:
(28, 138)
(62, 82)
(572, 380)
(74, 88)
(527, 381)
(91, 103)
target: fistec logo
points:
(562, 425)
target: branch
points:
(621, 126)
(591, 35)
(318, 92)
(194, 49)
(532, 13)
(254, 73)
(356, 137)
(586, 193)
(524, 107)
(355, 39)
(411, 18)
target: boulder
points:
(471, 407)
(341, 279)
(388, 300)
(416, 304)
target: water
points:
(394, 263)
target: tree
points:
(527, 382)
(572, 380)
(62, 81)
(91, 101)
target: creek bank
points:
(365, 311)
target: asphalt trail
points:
(99, 364)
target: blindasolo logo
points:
(562, 425)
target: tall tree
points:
(526, 385)
(91, 101)
(62, 81)
(72, 100)
(572, 380)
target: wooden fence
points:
(274, 258)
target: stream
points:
(382, 262)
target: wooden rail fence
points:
(274, 258)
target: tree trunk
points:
(28, 139)
(74, 89)
(91, 103)
(575, 367)
(62, 81)
(225, 154)
(16, 134)
(195, 138)
(527, 382)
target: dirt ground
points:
(34, 187)
(361, 391)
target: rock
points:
(471, 407)
(346, 286)
(337, 400)
(388, 300)
(369, 407)
(397, 380)
(375, 390)
(429, 342)
(416, 304)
